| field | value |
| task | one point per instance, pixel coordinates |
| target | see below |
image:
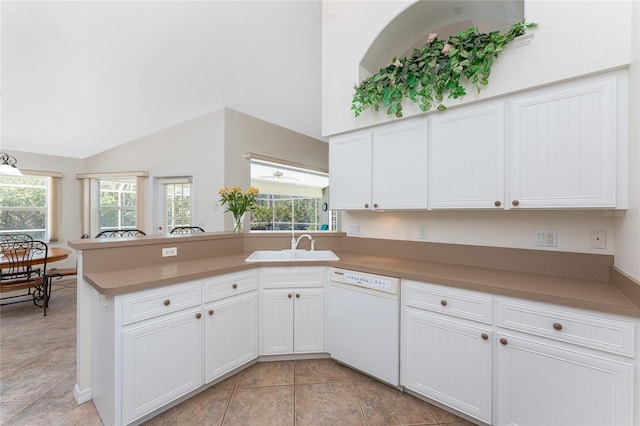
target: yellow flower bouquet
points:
(238, 203)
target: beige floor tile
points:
(322, 371)
(445, 417)
(329, 404)
(206, 408)
(384, 405)
(51, 411)
(228, 383)
(261, 406)
(91, 418)
(267, 374)
(10, 409)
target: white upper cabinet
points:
(466, 158)
(563, 144)
(384, 168)
(399, 166)
(350, 171)
(559, 147)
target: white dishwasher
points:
(364, 323)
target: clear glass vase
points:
(238, 223)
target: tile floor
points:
(37, 376)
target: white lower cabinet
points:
(231, 334)
(553, 365)
(495, 359)
(563, 366)
(161, 361)
(154, 346)
(292, 310)
(147, 350)
(449, 362)
(230, 322)
(544, 384)
(445, 357)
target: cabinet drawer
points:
(228, 285)
(568, 326)
(293, 277)
(445, 300)
(148, 304)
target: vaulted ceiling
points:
(80, 77)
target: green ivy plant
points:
(435, 69)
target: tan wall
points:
(211, 148)
(249, 134)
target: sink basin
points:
(291, 256)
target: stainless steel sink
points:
(291, 255)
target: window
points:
(112, 201)
(281, 212)
(175, 196)
(291, 197)
(117, 203)
(25, 203)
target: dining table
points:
(54, 254)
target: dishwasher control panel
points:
(366, 280)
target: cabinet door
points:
(350, 171)
(276, 321)
(449, 362)
(161, 361)
(230, 334)
(399, 166)
(563, 147)
(466, 158)
(308, 323)
(541, 384)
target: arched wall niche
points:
(411, 28)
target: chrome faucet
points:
(295, 242)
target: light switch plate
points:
(547, 238)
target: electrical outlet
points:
(598, 239)
(354, 229)
(547, 238)
(169, 251)
(422, 233)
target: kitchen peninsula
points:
(516, 290)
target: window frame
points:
(159, 187)
(90, 198)
(51, 208)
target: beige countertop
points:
(594, 295)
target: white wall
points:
(627, 250)
(69, 195)
(193, 147)
(516, 229)
(574, 38)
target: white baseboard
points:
(81, 396)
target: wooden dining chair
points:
(118, 233)
(186, 230)
(24, 267)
